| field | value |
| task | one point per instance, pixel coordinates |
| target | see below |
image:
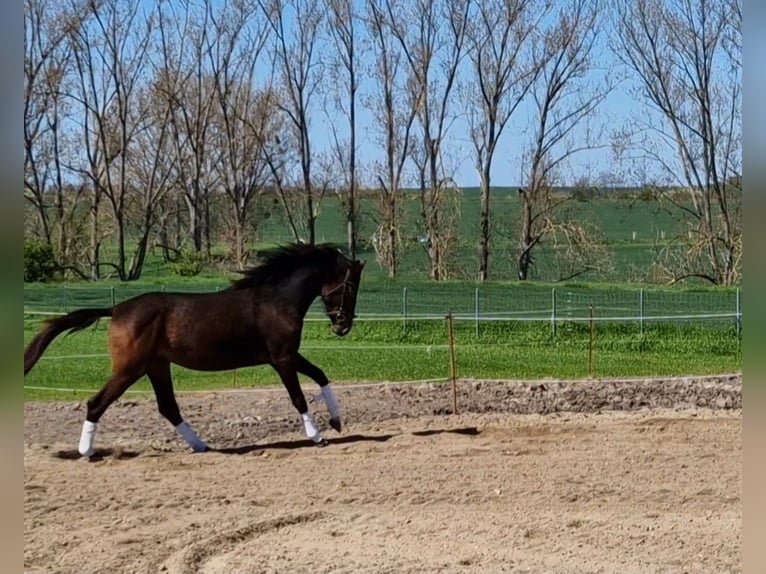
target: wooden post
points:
(476, 312)
(453, 368)
(553, 312)
(404, 309)
(590, 344)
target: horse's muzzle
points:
(341, 330)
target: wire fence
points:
(492, 322)
(486, 303)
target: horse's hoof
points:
(335, 423)
(322, 443)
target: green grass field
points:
(403, 348)
(389, 351)
(616, 219)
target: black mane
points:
(279, 263)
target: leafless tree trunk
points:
(150, 170)
(344, 17)
(564, 98)
(503, 72)
(110, 52)
(296, 27)
(237, 45)
(686, 55)
(277, 155)
(41, 91)
(46, 60)
(395, 108)
(184, 33)
(432, 37)
(244, 119)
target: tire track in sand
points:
(193, 558)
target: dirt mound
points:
(227, 418)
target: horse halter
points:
(338, 312)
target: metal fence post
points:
(476, 311)
(641, 311)
(553, 312)
(404, 309)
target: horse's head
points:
(339, 295)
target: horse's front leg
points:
(289, 375)
(309, 369)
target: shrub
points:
(39, 261)
(189, 263)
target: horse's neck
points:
(304, 288)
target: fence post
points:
(452, 363)
(590, 344)
(476, 311)
(112, 295)
(641, 311)
(553, 312)
(404, 309)
(739, 314)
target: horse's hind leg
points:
(159, 375)
(306, 367)
(117, 384)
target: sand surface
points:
(575, 477)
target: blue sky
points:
(613, 113)
(508, 169)
(507, 166)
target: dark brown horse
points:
(257, 320)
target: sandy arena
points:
(557, 477)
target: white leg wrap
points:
(311, 429)
(332, 402)
(197, 444)
(86, 439)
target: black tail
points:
(74, 321)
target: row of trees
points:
(142, 119)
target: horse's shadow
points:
(303, 443)
(119, 453)
(347, 439)
(100, 454)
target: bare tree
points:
(564, 97)
(109, 51)
(149, 173)
(296, 27)
(46, 60)
(432, 37)
(503, 71)
(184, 32)
(243, 117)
(343, 26)
(686, 56)
(394, 107)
